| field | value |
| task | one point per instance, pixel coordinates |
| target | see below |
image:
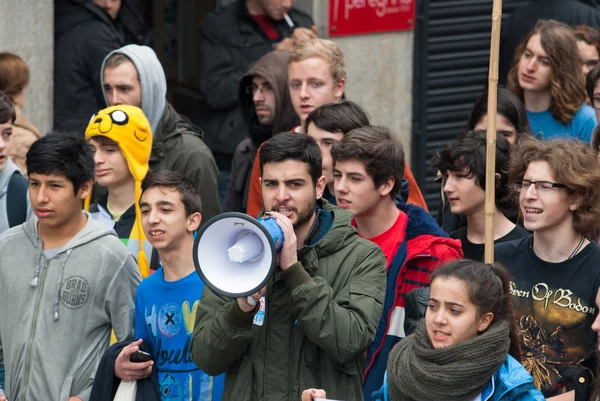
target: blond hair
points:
(324, 49)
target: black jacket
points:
(106, 383)
(523, 19)
(83, 35)
(231, 42)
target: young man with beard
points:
(322, 305)
(133, 75)
(66, 281)
(267, 109)
(555, 275)
(167, 301)
(368, 172)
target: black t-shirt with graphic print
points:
(554, 307)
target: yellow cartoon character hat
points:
(130, 129)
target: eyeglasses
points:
(596, 103)
(540, 186)
(252, 89)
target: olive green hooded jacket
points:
(320, 315)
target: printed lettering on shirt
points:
(560, 297)
(75, 292)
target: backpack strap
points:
(16, 199)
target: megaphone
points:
(234, 254)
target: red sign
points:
(355, 17)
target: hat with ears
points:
(129, 128)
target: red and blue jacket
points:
(425, 247)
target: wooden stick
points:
(490, 168)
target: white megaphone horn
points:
(234, 254)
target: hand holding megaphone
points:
(247, 304)
(289, 250)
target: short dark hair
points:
(293, 146)
(103, 140)
(7, 110)
(468, 152)
(172, 179)
(508, 105)
(590, 82)
(64, 155)
(338, 117)
(378, 149)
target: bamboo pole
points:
(490, 165)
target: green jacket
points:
(178, 145)
(321, 314)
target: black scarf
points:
(460, 372)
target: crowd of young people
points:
(358, 243)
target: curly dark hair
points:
(468, 152)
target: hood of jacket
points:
(334, 229)
(92, 231)
(423, 233)
(152, 80)
(273, 68)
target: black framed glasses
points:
(540, 186)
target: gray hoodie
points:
(56, 314)
(152, 80)
(9, 168)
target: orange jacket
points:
(255, 202)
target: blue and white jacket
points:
(511, 382)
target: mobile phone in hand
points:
(140, 356)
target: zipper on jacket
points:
(34, 326)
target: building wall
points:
(27, 29)
(379, 69)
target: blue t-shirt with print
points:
(544, 126)
(165, 313)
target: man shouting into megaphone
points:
(319, 312)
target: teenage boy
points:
(322, 305)
(15, 207)
(546, 76)
(121, 140)
(555, 271)
(74, 284)
(327, 124)
(368, 172)
(463, 165)
(316, 76)
(166, 303)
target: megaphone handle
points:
(251, 301)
